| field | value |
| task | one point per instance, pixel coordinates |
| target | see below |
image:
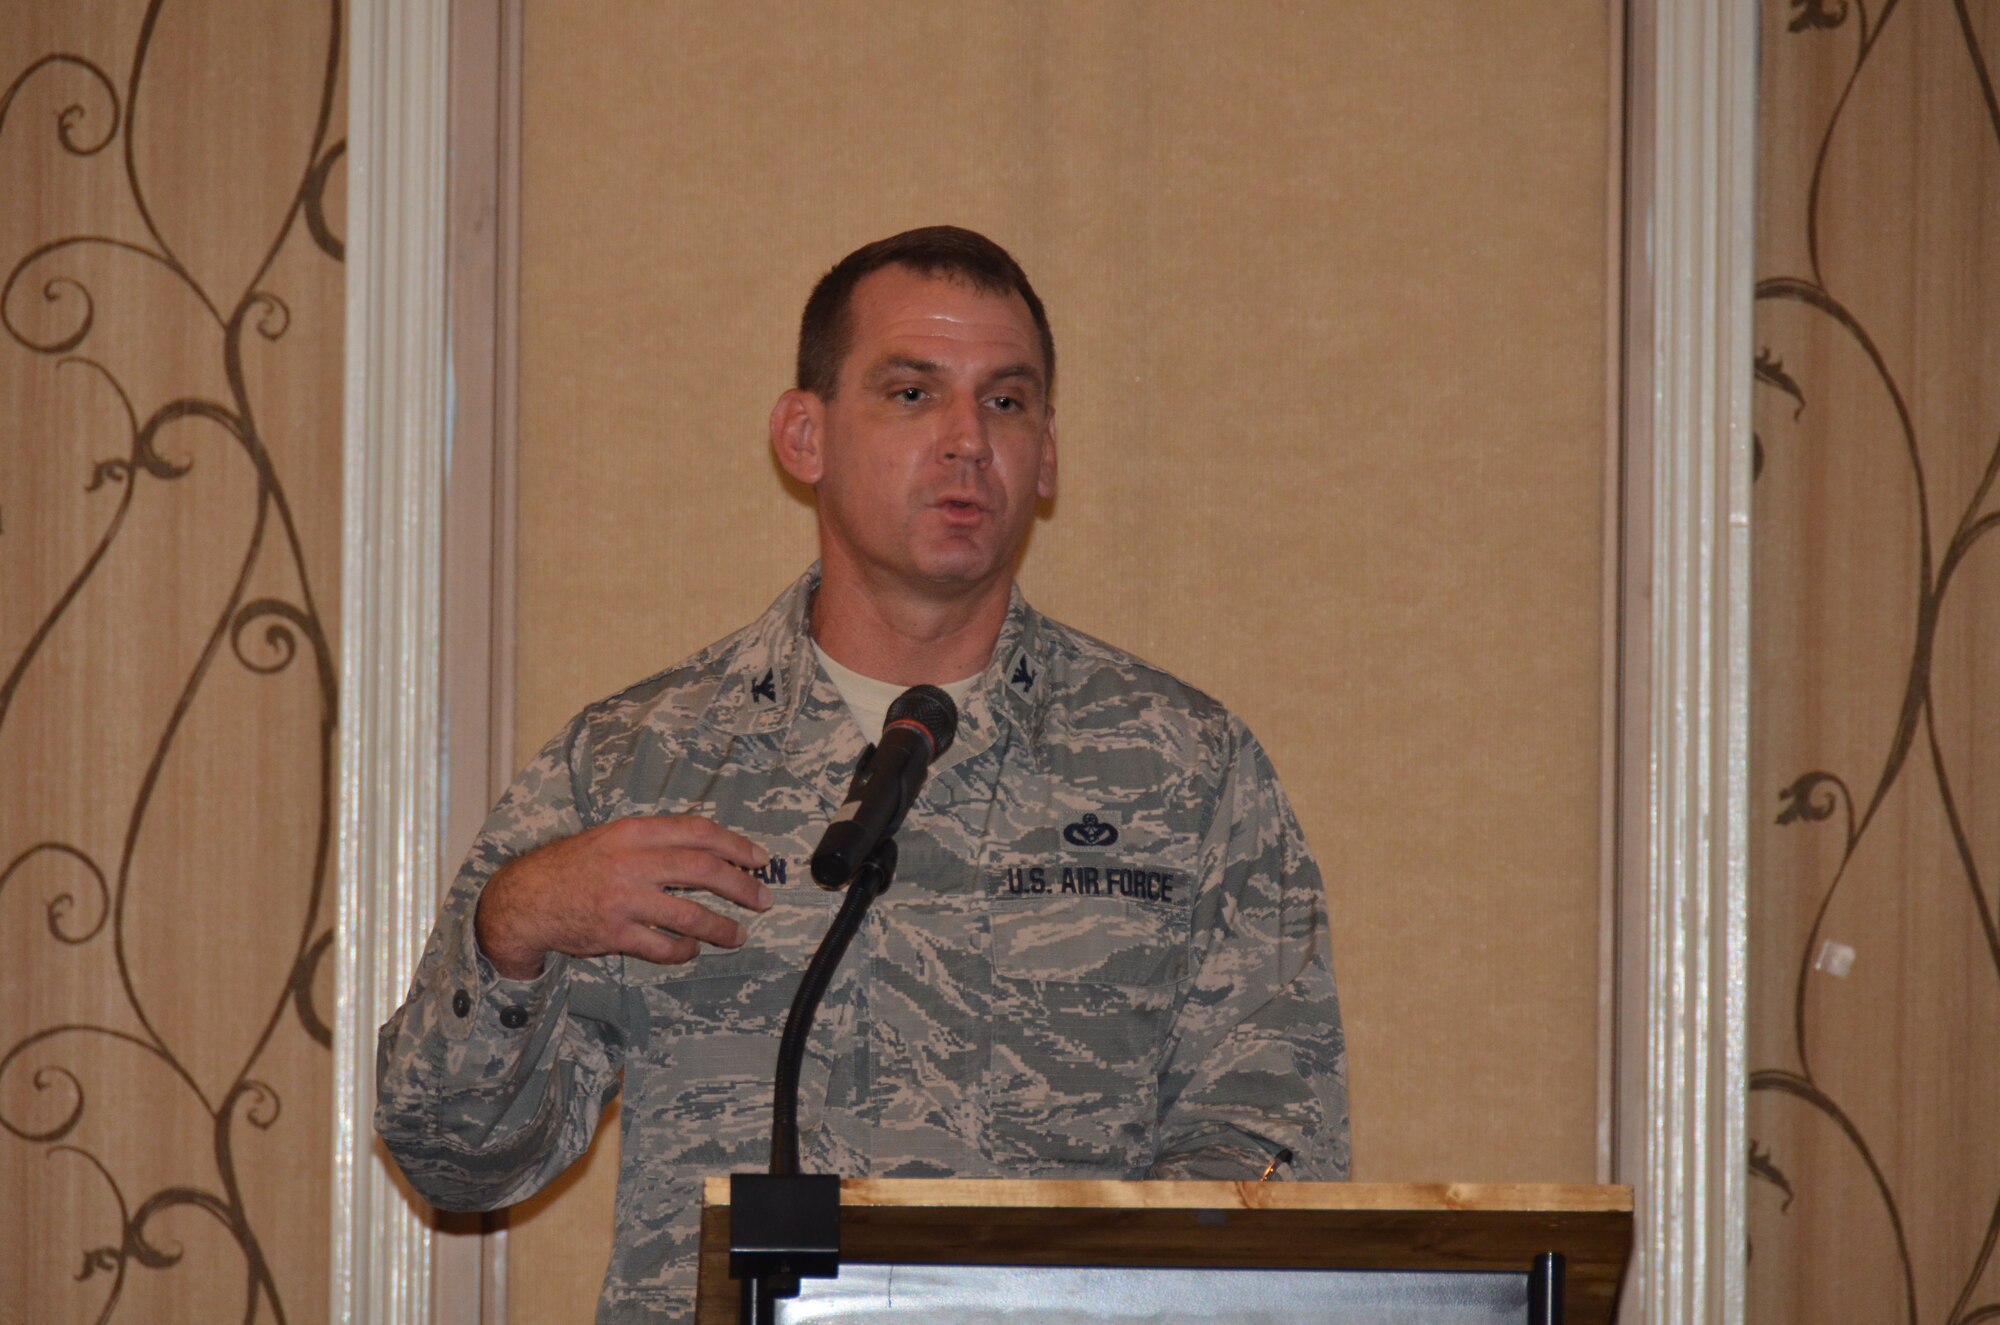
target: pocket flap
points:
(1089, 940)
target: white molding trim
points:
(1692, 131)
(394, 440)
(469, 1266)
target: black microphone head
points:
(931, 709)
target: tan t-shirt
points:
(869, 700)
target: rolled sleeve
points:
(488, 1087)
(1258, 1063)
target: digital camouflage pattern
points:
(1104, 954)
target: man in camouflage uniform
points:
(1104, 954)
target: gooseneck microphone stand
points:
(868, 883)
(785, 1224)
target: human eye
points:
(1007, 404)
(907, 395)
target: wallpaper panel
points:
(171, 201)
(1875, 957)
(1329, 288)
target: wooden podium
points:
(1454, 1229)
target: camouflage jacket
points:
(1104, 954)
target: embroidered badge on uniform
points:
(1090, 831)
(1024, 675)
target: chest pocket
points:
(1084, 991)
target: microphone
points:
(920, 727)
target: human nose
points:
(965, 435)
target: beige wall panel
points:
(1329, 297)
(165, 707)
(1876, 700)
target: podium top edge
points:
(1024, 1193)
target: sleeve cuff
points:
(518, 1004)
(477, 998)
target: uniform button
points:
(461, 1002)
(513, 1018)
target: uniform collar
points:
(770, 672)
(1010, 693)
(773, 682)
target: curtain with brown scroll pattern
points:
(1874, 1112)
(171, 211)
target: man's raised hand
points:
(618, 888)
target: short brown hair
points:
(826, 331)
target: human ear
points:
(1045, 474)
(796, 429)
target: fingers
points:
(690, 852)
(701, 871)
(701, 834)
(671, 930)
(663, 910)
(653, 946)
(618, 888)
